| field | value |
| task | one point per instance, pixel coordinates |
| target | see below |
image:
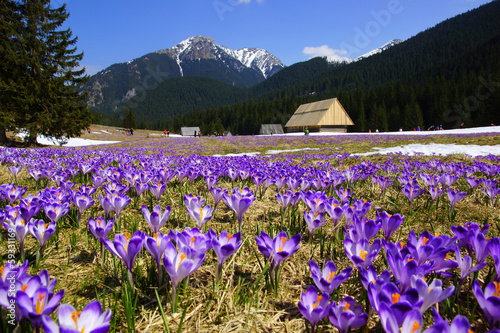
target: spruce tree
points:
(47, 101)
(129, 119)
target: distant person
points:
(168, 133)
(195, 134)
(369, 130)
(131, 131)
(376, 131)
(165, 132)
(199, 134)
(401, 129)
(418, 128)
(462, 125)
(271, 132)
(88, 129)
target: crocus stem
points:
(38, 255)
(22, 251)
(174, 298)
(160, 276)
(130, 279)
(219, 271)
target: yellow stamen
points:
(24, 287)
(425, 240)
(331, 276)
(229, 236)
(74, 316)
(395, 298)
(347, 306)
(201, 213)
(317, 302)
(402, 245)
(156, 237)
(497, 289)
(283, 240)
(183, 256)
(40, 303)
(415, 327)
(363, 254)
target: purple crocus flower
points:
(344, 194)
(411, 191)
(465, 265)
(218, 194)
(432, 293)
(466, 233)
(91, 319)
(389, 223)
(277, 249)
(126, 248)
(140, 187)
(334, 210)
(473, 181)
(495, 253)
(327, 281)
(41, 304)
(19, 227)
(82, 201)
(384, 183)
(345, 315)
(157, 189)
(15, 170)
(239, 204)
(412, 321)
(97, 180)
(315, 201)
(180, 264)
(13, 193)
(224, 246)
(435, 192)
(156, 219)
(363, 229)
(119, 202)
(100, 229)
(489, 301)
(156, 247)
(370, 275)
(448, 179)
(192, 201)
(211, 181)
(285, 199)
(491, 190)
(454, 197)
(314, 220)
(41, 231)
(362, 253)
(460, 324)
(313, 307)
(55, 210)
(200, 214)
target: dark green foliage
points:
(129, 119)
(44, 97)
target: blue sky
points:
(112, 31)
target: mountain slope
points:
(111, 89)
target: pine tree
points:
(129, 119)
(47, 101)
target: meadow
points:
(251, 233)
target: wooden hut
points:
(190, 131)
(270, 129)
(323, 116)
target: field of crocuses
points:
(174, 234)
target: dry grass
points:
(239, 303)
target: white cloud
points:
(325, 51)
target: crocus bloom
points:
(100, 228)
(334, 210)
(156, 219)
(344, 194)
(200, 214)
(192, 201)
(182, 263)
(41, 231)
(42, 303)
(412, 321)
(126, 248)
(412, 191)
(224, 246)
(473, 181)
(460, 324)
(285, 199)
(239, 204)
(466, 233)
(362, 253)
(363, 229)
(389, 223)
(491, 190)
(315, 201)
(314, 220)
(370, 275)
(140, 187)
(82, 201)
(328, 280)
(465, 265)
(435, 192)
(91, 319)
(432, 293)
(346, 315)
(218, 195)
(455, 196)
(55, 211)
(119, 202)
(277, 249)
(13, 193)
(384, 183)
(157, 189)
(489, 301)
(19, 227)
(313, 307)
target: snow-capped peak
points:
(204, 47)
(384, 47)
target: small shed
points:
(323, 116)
(190, 131)
(269, 129)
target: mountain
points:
(384, 47)
(111, 89)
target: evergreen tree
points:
(47, 100)
(129, 119)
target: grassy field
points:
(243, 300)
